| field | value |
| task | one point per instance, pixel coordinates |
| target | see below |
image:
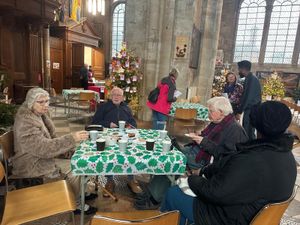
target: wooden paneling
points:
(34, 59)
(19, 53)
(68, 65)
(7, 50)
(77, 63)
(56, 69)
(98, 64)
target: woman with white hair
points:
(36, 144)
(217, 139)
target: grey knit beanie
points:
(32, 95)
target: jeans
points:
(175, 199)
(190, 153)
(158, 120)
(247, 125)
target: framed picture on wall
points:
(181, 45)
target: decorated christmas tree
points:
(273, 87)
(219, 80)
(125, 74)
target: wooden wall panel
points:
(98, 64)
(68, 65)
(77, 63)
(34, 59)
(7, 50)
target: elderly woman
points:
(36, 144)
(237, 186)
(234, 90)
(217, 139)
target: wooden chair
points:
(195, 99)
(33, 203)
(147, 217)
(271, 214)
(85, 100)
(183, 121)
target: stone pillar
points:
(208, 12)
(46, 59)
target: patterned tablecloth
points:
(134, 160)
(66, 93)
(202, 111)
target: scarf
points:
(212, 132)
(229, 88)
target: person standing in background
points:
(161, 108)
(234, 90)
(251, 96)
(84, 76)
(90, 74)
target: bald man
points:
(115, 110)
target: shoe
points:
(175, 144)
(91, 196)
(110, 187)
(88, 210)
(145, 204)
(135, 187)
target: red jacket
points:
(167, 88)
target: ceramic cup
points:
(163, 134)
(150, 144)
(93, 135)
(122, 125)
(100, 144)
(123, 144)
(166, 146)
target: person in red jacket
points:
(161, 108)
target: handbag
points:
(153, 95)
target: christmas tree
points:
(273, 87)
(125, 74)
(219, 80)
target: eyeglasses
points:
(115, 95)
(43, 102)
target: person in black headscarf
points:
(251, 96)
(235, 188)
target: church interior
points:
(83, 52)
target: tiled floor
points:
(64, 125)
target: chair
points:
(195, 99)
(271, 214)
(55, 99)
(33, 203)
(147, 217)
(85, 100)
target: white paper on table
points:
(177, 93)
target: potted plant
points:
(7, 114)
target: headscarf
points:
(32, 96)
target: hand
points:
(80, 136)
(197, 139)
(196, 172)
(238, 117)
(113, 125)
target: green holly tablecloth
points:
(134, 160)
(202, 111)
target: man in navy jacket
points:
(115, 110)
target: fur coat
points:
(36, 145)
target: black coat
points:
(239, 185)
(251, 95)
(110, 112)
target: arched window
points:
(250, 29)
(282, 32)
(118, 25)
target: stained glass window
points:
(282, 32)
(118, 25)
(250, 29)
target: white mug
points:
(163, 134)
(122, 144)
(166, 146)
(93, 135)
(122, 125)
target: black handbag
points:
(153, 95)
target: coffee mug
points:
(150, 144)
(93, 135)
(122, 144)
(100, 144)
(122, 125)
(166, 145)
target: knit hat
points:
(271, 118)
(32, 96)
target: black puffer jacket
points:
(240, 184)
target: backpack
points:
(153, 95)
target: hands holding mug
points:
(80, 135)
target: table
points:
(69, 94)
(134, 160)
(202, 111)
(100, 89)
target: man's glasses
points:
(43, 102)
(114, 95)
